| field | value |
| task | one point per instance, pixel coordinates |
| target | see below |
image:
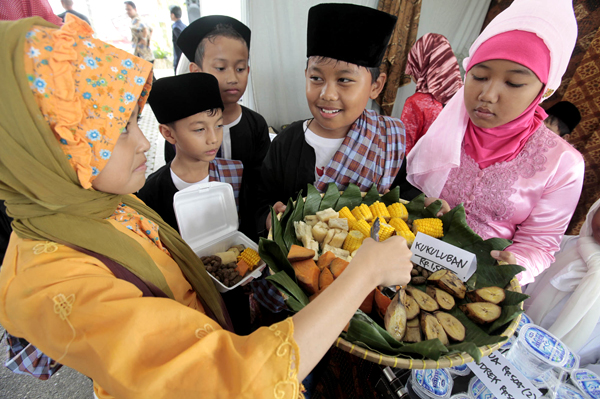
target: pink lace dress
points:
(419, 112)
(529, 200)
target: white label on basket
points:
(434, 255)
(503, 379)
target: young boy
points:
(195, 128)
(344, 142)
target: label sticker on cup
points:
(433, 381)
(546, 345)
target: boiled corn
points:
(363, 227)
(431, 226)
(346, 214)
(398, 210)
(402, 230)
(251, 257)
(385, 231)
(353, 241)
(379, 209)
(362, 212)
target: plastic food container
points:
(459, 370)
(587, 382)
(536, 351)
(524, 320)
(208, 223)
(432, 383)
(566, 391)
(477, 390)
(572, 362)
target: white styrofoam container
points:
(208, 223)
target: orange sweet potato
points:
(307, 274)
(325, 279)
(325, 260)
(367, 305)
(337, 266)
(382, 302)
(300, 253)
(242, 267)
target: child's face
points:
(337, 93)
(227, 60)
(498, 91)
(596, 226)
(197, 137)
(124, 172)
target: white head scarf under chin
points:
(436, 153)
(577, 270)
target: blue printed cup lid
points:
(544, 345)
(568, 392)
(587, 381)
(478, 390)
(435, 383)
(509, 342)
(524, 320)
(572, 362)
(460, 370)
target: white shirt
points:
(180, 184)
(324, 148)
(226, 144)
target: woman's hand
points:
(504, 256)
(279, 207)
(445, 207)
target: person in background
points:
(489, 148)
(177, 27)
(141, 33)
(565, 299)
(11, 10)
(68, 6)
(562, 118)
(434, 69)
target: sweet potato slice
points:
(367, 305)
(307, 274)
(325, 279)
(300, 253)
(325, 260)
(242, 267)
(337, 266)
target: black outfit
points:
(5, 230)
(77, 14)
(158, 193)
(178, 27)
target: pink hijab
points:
(504, 143)
(553, 21)
(435, 68)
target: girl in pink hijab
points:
(434, 69)
(489, 148)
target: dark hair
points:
(210, 112)
(221, 30)
(374, 71)
(563, 129)
(176, 10)
(131, 3)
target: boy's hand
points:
(445, 207)
(504, 256)
(279, 207)
(388, 262)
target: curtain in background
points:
(403, 38)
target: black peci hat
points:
(180, 96)
(190, 37)
(566, 112)
(351, 33)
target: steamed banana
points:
(395, 316)
(413, 331)
(424, 301)
(452, 326)
(445, 300)
(493, 295)
(432, 329)
(412, 307)
(481, 312)
(449, 282)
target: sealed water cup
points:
(508, 344)
(432, 383)
(477, 390)
(537, 351)
(566, 391)
(572, 362)
(461, 370)
(524, 320)
(587, 382)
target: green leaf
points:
(416, 208)
(330, 198)
(283, 282)
(277, 231)
(496, 275)
(391, 197)
(313, 200)
(371, 196)
(273, 256)
(456, 230)
(508, 313)
(513, 298)
(287, 213)
(289, 234)
(350, 198)
(474, 334)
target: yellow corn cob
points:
(381, 220)
(357, 214)
(353, 241)
(430, 226)
(346, 214)
(366, 212)
(402, 230)
(385, 231)
(363, 227)
(398, 210)
(251, 257)
(379, 209)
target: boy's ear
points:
(377, 86)
(167, 133)
(194, 67)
